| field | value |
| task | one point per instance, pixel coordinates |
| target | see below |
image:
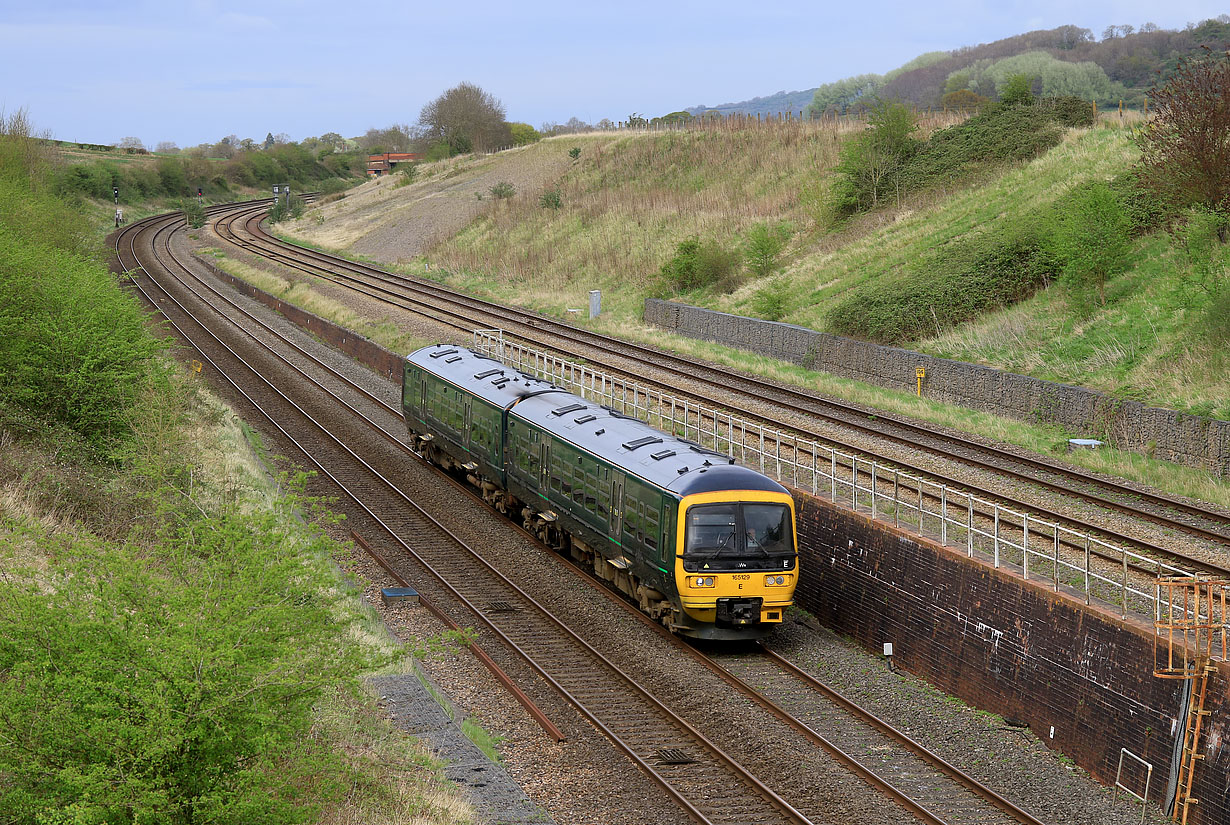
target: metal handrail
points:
(1040, 549)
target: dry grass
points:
(393, 778)
(303, 295)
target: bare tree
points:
(467, 119)
(394, 138)
(1185, 151)
(167, 147)
(130, 143)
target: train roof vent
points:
(600, 431)
(568, 409)
(641, 442)
(501, 382)
(585, 419)
(443, 353)
(452, 360)
(661, 454)
(488, 373)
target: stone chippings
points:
(1165, 434)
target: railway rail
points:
(463, 313)
(564, 660)
(629, 715)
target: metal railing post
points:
(833, 474)
(896, 500)
(854, 483)
(996, 543)
(1025, 546)
(944, 515)
(969, 527)
(1056, 558)
(873, 491)
(1087, 595)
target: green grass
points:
(486, 741)
(303, 295)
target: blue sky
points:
(192, 71)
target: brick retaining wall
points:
(1008, 646)
(1165, 434)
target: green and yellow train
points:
(702, 544)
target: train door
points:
(422, 393)
(467, 422)
(617, 505)
(544, 471)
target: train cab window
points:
(711, 529)
(768, 529)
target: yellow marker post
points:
(920, 373)
(196, 366)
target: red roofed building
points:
(378, 165)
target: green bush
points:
(1089, 237)
(194, 213)
(869, 166)
(1144, 209)
(696, 265)
(523, 134)
(1072, 112)
(284, 211)
(551, 199)
(950, 287)
(998, 134)
(406, 174)
(73, 346)
(173, 681)
(1017, 91)
(763, 244)
(769, 302)
(502, 190)
(574, 152)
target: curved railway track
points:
(464, 313)
(629, 715)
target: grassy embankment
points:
(176, 645)
(628, 201)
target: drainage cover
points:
(501, 607)
(674, 756)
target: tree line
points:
(1067, 60)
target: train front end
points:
(736, 563)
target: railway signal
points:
(116, 191)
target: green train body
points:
(671, 524)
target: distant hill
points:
(770, 104)
(1124, 63)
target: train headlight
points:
(702, 581)
(774, 581)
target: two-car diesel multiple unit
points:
(705, 546)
